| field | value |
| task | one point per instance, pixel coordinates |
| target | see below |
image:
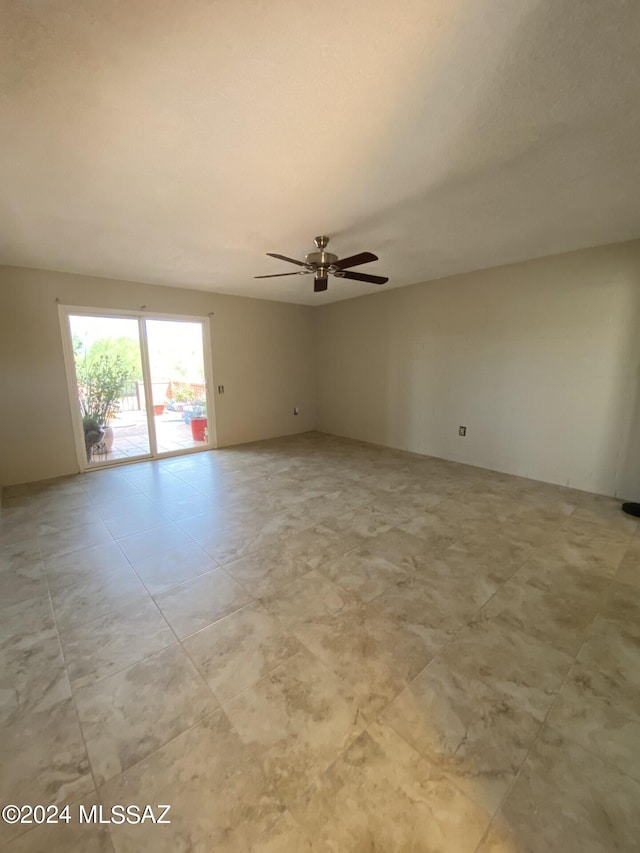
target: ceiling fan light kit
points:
(322, 264)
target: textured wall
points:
(539, 360)
(262, 352)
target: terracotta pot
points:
(158, 409)
(198, 426)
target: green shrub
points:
(100, 381)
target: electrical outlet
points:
(462, 430)
(220, 389)
(296, 410)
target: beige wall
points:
(262, 353)
(539, 360)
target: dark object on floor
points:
(631, 509)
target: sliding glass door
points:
(178, 385)
(137, 385)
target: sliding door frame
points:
(64, 314)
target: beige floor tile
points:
(177, 507)
(368, 520)
(43, 760)
(602, 724)
(174, 566)
(195, 604)
(125, 506)
(129, 515)
(477, 735)
(583, 547)
(130, 714)
(559, 615)
(480, 578)
(530, 671)
(153, 543)
(67, 569)
(324, 621)
(309, 596)
(65, 515)
(17, 528)
(434, 608)
(267, 571)
(435, 527)
(237, 651)
(599, 706)
(611, 663)
(604, 514)
(91, 583)
(66, 837)
(295, 721)
(373, 653)
(364, 573)
(108, 485)
(503, 547)
(95, 650)
(622, 607)
(212, 520)
(21, 573)
(568, 800)
(236, 541)
(381, 795)
(136, 522)
(32, 675)
(19, 554)
(404, 549)
(73, 539)
(23, 618)
(498, 839)
(629, 569)
(285, 836)
(220, 799)
(320, 544)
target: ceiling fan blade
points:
(319, 284)
(285, 258)
(276, 275)
(359, 276)
(356, 260)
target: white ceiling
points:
(177, 141)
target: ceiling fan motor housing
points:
(321, 258)
(320, 261)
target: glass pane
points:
(176, 359)
(106, 352)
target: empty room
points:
(320, 428)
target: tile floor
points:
(312, 644)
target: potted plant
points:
(93, 434)
(159, 391)
(100, 381)
(197, 415)
(181, 393)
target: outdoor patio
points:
(131, 436)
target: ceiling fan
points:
(323, 264)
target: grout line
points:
(68, 679)
(544, 722)
(283, 512)
(130, 666)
